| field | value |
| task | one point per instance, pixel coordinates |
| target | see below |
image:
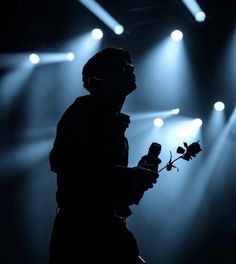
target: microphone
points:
(151, 160)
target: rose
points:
(191, 151)
(188, 153)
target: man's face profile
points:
(120, 77)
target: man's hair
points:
(101, 61)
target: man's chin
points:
(132, 87)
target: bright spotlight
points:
(219, 106)
(177, 35)
(197, 122)
(195, 10)
(102, 14)
(176, 111)
(158, 122)
(34, 58)
(119, 29)
(200, 16)
(70, 56)
(97, 33)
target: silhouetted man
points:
(90, 158)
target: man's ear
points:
(98, 75)
(97, 78)
(94, 81)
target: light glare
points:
(34, 58)
(176, 111)
(158, 122)
(70, 56)
(177, 35)
(197, 122)
(219, 106)
(200, 16)
(119, 29)
(97, 33)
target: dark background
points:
(27, 190)
(28, 26)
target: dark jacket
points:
(90, 158)
(90, 154)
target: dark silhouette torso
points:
(90, 141)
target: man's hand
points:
(141, 179)
(144, 177)
(150, 163)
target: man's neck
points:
(115, 105)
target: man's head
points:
(109, 72)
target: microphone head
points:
(154, 149)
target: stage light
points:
(200, 16)
(197, 122)
(102, 14)
(177, 35)
(176, 111)
(70, 56)
(158, 122)
(219, 106)
(34, 58)
(119, 29)
(97, 33)
(195, 10)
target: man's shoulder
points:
(81, 100)
(81, 105)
